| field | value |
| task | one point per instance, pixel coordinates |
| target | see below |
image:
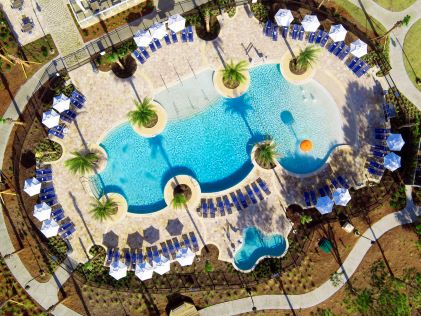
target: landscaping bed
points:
(411, 59)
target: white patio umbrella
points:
(185, 257)
(42, 211)
(158, 30)
(358, 48)
(118, 270)
(395, 142)
(142, 38)
(337, 33)
(176, 23)
(61, 103)
(144, 271)
(163, 266)
(283, 17)
(32, 186)
(50, 118)
(49, 228)
(324, 205)
(392, 161)
(310, 23)
(341, 196)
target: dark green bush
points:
(260, 12)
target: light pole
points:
(41, 274)
(254, 308)
(357, 233)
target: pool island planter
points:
(292, 77)
(257, 165)
(122, 208)
(226, 92)
(189, 181)
(160, 125)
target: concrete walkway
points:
(327, 289)
(397, 37)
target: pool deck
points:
(109, 99)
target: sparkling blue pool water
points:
(214, 145)
(255, 246)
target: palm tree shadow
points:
(240, 106)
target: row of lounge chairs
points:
(375, 166)
(169, 248)
(254, 192)
(388, 108)
(310, 197)
(141, 54)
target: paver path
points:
(327, 289)
(397, 37)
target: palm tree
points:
(103, 209)
(144, 115)
(207, 13)
(306, 58)
(398, 24)
(305, 219)
(179, 200)
(233, 75)
(4, 120)
(266, 154)
(81, 162)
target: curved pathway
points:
(327, 289)
(397, 37)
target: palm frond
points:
(102, 210)
(179, 201)
(266, 154)
(307, 57)
(233, 73)
(143, 114)
(81, 163)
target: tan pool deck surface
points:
(109, 99)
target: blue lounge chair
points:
(176, 244)
(194, 241)
(138, 56)
(204, 208)
(127, 257)
(268, 28)
(322, 192)
(49, 189)
(155, 252)
(51, 202)
(275, 34)
(335, 184)
(300, 33)
(65, 227)
(344, 53)
(382, 130)
(165, 251)
(378, 154)
(242, 199)
(332, 47)
(157, 43)
(59, 217)
(190, 33)
(43, 171)
(45, 178)
(152, 47)
(211, 208)
(263, 185)
(68, 233)
(184, 36)
(133, 260)
(374, 172)
(167, 39)
(250, 194)
(171, 247)
(47, 197)
(307, 199)
(363, 71)
(186, 241)
(227, 204)
(376, 165)
(339, 49)
(149, 254)
(68, 116)
(235, 201)
(140, 257)
(324, 40)
(78, 96)
(220, 206)
(313, 197)
(174, 37)
(381, 136)
(353, 62)
(343, 182)
(380, 147)
(294, 32)
(327, 189)
(76, 103)
(311, 37)
(109, 257)
(319, 37)
(284, 31)
(116, 255)
(57, 212)
(358, 67)
(144, 52)
(257, 191)
(55, 133)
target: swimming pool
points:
(214, 145)
(256, 246)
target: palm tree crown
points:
(81, 162)
(144, 113)
(266, 154)
(232, 74)
(103, 209)
(307, 57)
(179, 200)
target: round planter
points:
(121, 209)
(194, 186)
(256, 165)
(290, 76)
(227, 92)
(158, 127)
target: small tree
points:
(232, 74)
(398, 24)
(144, 115)
(103, 209)
(266, 154)
(305, 219)
(179, 200)
(81, 163)
(208, 266)
(306, 58)
(5, 120)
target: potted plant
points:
(82, 162)
(144, 115)
(181, 195)
(233, 74)
(104, 208)
(307, 57)
(265, 154)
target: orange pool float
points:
(306, 145)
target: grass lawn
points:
(395, 5)
(412, 46)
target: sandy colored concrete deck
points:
(109, 99)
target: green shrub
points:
(260, 12)
(48, 150)
(193, 20)
(398, 199)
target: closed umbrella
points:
(341, 196)
(42, 211)
(358, 48)
(49, 228)
(162, 266)
(392, 161)
(144, 271)
(283, 17)
(337, 33)
(61, 103)
(395, 142)
(32, 186)
(310, 23)
(50, 118)
(142, 38)
(185, 257)
(176, 23)
(324, 205)
(158, 30)
(118, 270)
